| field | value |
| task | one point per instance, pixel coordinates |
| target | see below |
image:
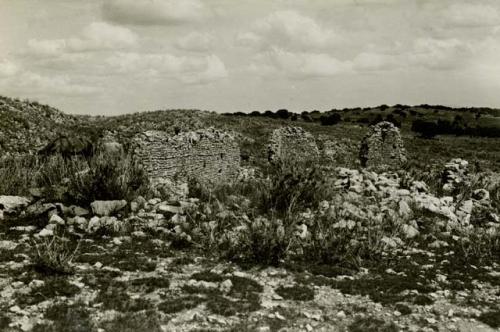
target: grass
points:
(492, 318)
(54, 286)
(76, 180)
(67, 318)
(55, 254)
(372, 324)
(296, 293)
(180, 303)
(147, 320)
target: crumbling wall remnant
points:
(206, 154)
(383, 146)
(292, 143)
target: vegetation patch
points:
(372, 324)
(208, 276)
(492, 318)
(182, 303)
(148, 285)
(296, 293)
(147, 320)
(4, 321)
(52, 287)
(221, 305)
(67, 318)
(114, 297)
(244, 287)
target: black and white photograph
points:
(249, 165)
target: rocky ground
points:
(143, 265)
(139, 283)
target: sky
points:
(109, 57)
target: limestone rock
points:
(106, 208)
(455, 174)
(11, 204)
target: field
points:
(302, 245)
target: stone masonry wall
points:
(292, 143)
(383, 146)
(207, 154)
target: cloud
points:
(439, 54)
(471, 15)
(301, 65)
(8, 68)
(25, 81)
(370, 61)
(195, 41)
(154, 12)
(288, 30)
(97, 36)
(187, 69)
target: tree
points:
(330, 119)
(283, 114)
(392, 119)
(426, 129)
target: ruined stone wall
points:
(208, 154)
(292, 143)
(383, 146)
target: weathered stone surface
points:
(208, 154)
(106, 208)
(292, 143)
(10, 204)
(455, 175)
(382, 146)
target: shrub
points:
(283, 114)
(426, 129)
(260, 241)
(292, 186)
(54, 254)
(107, 178)
(331, 119)
(17, 174)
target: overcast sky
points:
(119, 56)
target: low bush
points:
(107, 178)
(54, 254)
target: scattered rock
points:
(107, 208)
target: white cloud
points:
(154, 12)
(370, 61)
(472, 15)
(303, 65)
(195, 41)
(439, 54)
(104, 35)
(8, 68)
(288, 30)
(26, 81)
(96, 36)
(187, 69)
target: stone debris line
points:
(292, 143)
(383, 146)
(209, 154)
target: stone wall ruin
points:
(292, 143)
(207, 154)
(382, 146)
